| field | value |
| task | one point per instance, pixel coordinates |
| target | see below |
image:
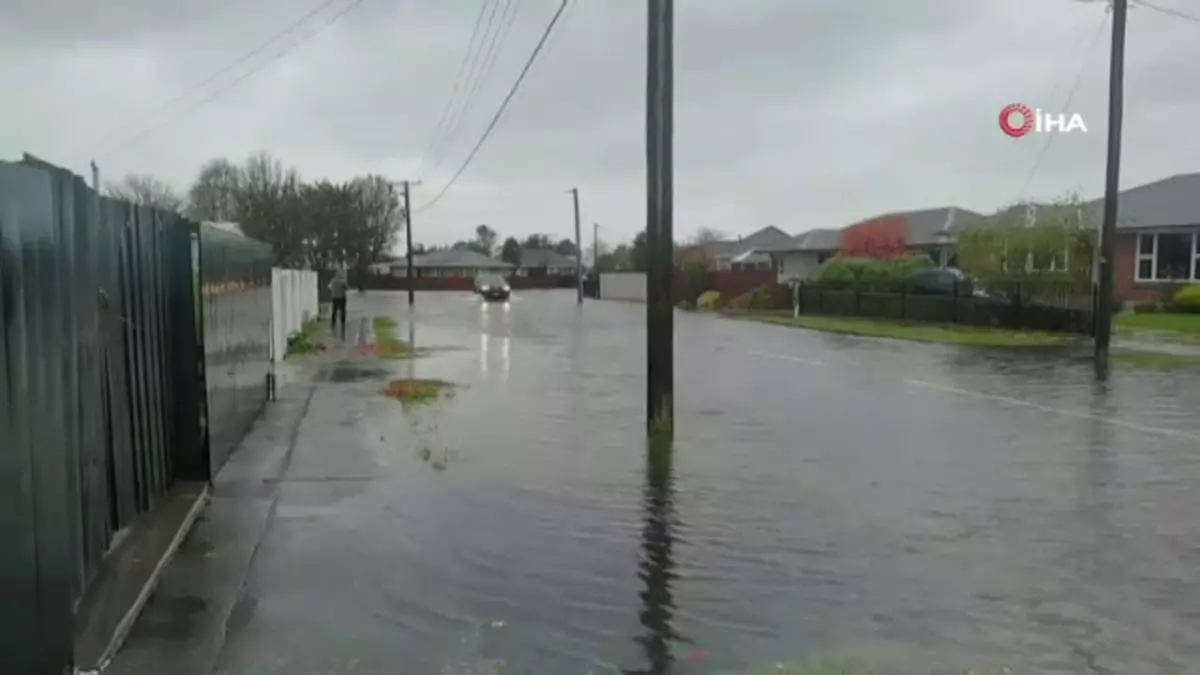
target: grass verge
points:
(387, 345)
(417, 392)
(920, 332)
(1155, 360)
(1170, 327)
(306, 341)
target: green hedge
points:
(867, 274)
(1187, 300)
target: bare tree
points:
(707, 235)
(145, 190)
(216, 194)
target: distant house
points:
(449, 263)
(1158, 237)
(545, 262)
(744, 253)
(923, 231)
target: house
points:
(922, 231)
(450, 263)
(545, 262)
(744, 253)
(1158, 238)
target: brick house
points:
(1158, 238)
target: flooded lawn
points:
(872, 506)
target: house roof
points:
(1170, 202)
(544, 257)
(459, 257)
(762, 240)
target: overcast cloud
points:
(797, 113)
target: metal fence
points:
(1042, 306)
(102, 384)
(236, 317)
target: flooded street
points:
(909, 507)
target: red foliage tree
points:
(880, 238)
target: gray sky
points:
(797, 113)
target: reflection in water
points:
(657, 566)
(490, 345)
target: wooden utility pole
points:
(595, 247)
(660, 242)
(408, 253)
(578, 250)
(1112, 187)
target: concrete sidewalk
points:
(183, 627)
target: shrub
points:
(709, 300)
(759, 297)
(868, 274)
(1187, 300)
(1145, 307)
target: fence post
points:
(954, 304)
(903, 299)
(857, 299)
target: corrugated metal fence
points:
(101, 388)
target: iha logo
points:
(1018, 119)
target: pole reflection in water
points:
(412, 343)
(657, 566)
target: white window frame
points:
(1139, 257)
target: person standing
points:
(337, 292)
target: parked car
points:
(492, 287)
(939, 281)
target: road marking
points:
(785, 357)
(1079, 414)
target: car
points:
(492, 287)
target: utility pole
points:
(660, 242)
(408, 253)
(1112, 186)
(578, 250)
(95, 177)
(595, 247)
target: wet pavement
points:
(912, 507)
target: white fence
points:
(629, 286)
(293, 301)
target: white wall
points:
(623, 286)
(801, 265)
(293, 301)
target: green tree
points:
(566, 247)
(639, 257)
(510, 252)
(537, 241)
(485, 240)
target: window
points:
(1168, 257)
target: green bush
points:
(709, 300)
(759, 297)
(867, 274)
(1145, 307)
(1187, 300)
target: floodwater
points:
(911, 508)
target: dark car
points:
(492, 287)
(939, 281)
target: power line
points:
(148, 117)
(488, 64)
(472, 73)
(1168, 11)
(503, 106)
(211, 97)
(435, 138)
(1066, 104)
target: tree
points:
(485, 237)
(537, 241)
(378, 219)
(566, 247)
(1028, 243)
(639, 258)
(215, 194)
(145, 190)
(510, 252)
(270, 206)
(707, 235)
